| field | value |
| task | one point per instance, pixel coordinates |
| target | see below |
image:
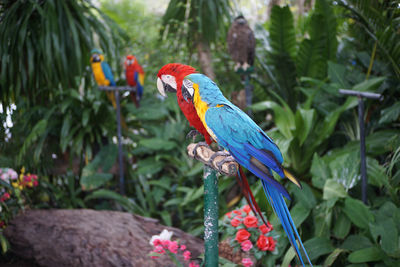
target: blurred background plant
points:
(57, 124)
(15, 193)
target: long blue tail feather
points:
(278, 203)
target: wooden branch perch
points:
(117, 88)
(204, 154)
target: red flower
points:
(229, 214)
(247, 209)
(238, 212)
(250, 221)
(235, 222)
(265, 243)
(4, 197)
(266, 228)
(242, 235)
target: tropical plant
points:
(200, 23)
(47, 46)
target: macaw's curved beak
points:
(95, 58)
(164, 87)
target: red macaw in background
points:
(134, 77)
(180, 71)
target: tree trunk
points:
(204, 54)
(91, 238)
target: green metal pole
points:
(210, 217)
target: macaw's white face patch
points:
(169, 80)
(166, 83)
(187, 89)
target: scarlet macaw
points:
(102, 73)
(180, 71)
(134, 77)
(235, 131)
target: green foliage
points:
(47, 45)
(194, 18)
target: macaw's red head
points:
(130, 60)
(170, 77)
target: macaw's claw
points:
(198, 145)
(192, 134)
(232, 167)
(224, 157)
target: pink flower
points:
(247, 262)
(35, 183)
(193, 264)
(173, 247)
(238, 212)
(159, 249)
(183, 247)
(187, 255)
(246, 245)
(156, 242)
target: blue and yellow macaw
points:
(102, 73)
(251, 147)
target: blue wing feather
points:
(107, 72)
(139, 86)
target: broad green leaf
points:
(157, 144)
(341, 226)
(322, 215)
(304, 121)
(332, 257)
(95, 180)
(356, 242)
(126, 203)
(376, 173)
(305, 196)
(318, 246)
(390, 114)
(366, 255)
(4, 243)
(299, 213)
(337, 73)
(320, 171)
(333, 189)
(345, 169)
(358, 213)
(369, 85)
(386, 229)
(289, 256)
(149, 166)
(284, 117)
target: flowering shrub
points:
(163, 245)
(249, 234)
(12, 198)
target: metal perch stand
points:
(116, 90)
(211, 162)
(360, 96)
